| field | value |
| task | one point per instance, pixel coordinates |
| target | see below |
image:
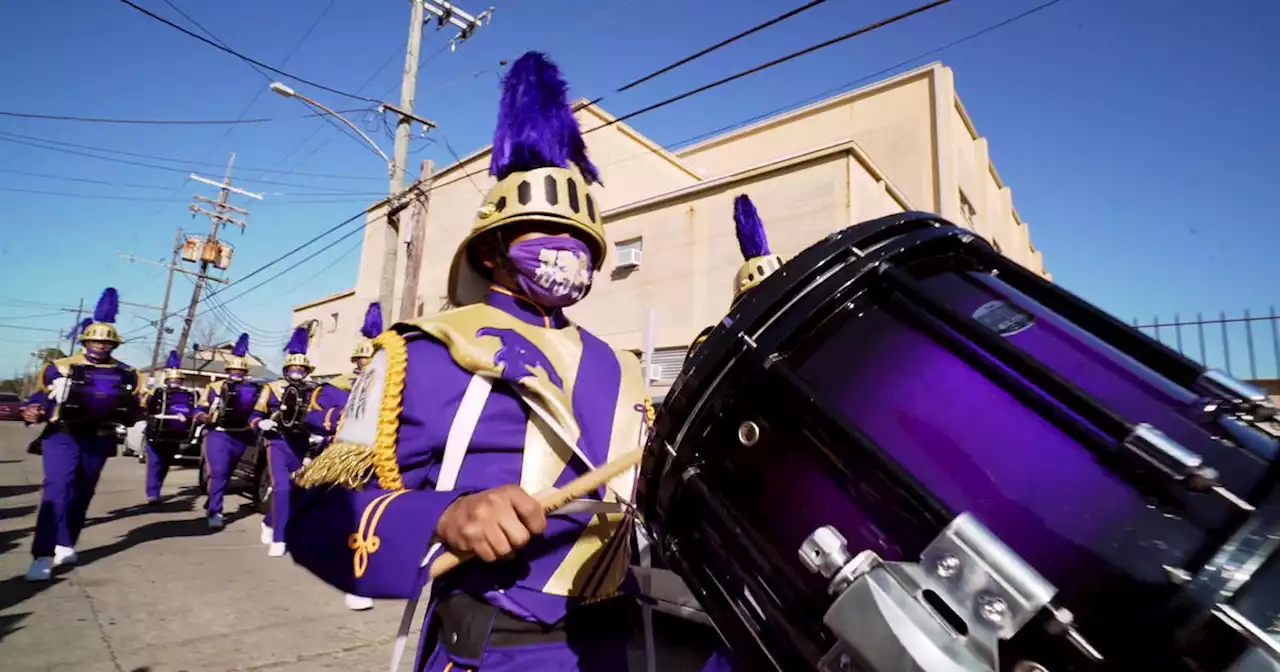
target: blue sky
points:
(1136, 134)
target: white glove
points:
(58, 390)
(316, 440)
(266, 425)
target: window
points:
(627, 253)
(332, 322)
(666, 364)
(966, 209)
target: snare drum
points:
(99, 395)
(163, 423)
(234, 406)
(903, 448)
(294, 402)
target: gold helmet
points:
(296, 350)
(103, 327)
(544, 175)
(239, 359)
(369, 330)
(759, 263)
(173, 366)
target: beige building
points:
(905, 143)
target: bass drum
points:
(100, 395)
(164, 426)
(903, 451)
(234, 406)
(294, 403)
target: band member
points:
(330, 398)
(459, 416)
(83, 397)
(226, 407)
(758, 262)
(162, 447)
(285, 449)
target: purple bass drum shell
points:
(169, 402)
(238, 400)
(887, 371)
(99, 395)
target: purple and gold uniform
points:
(285, 450)
(224, 446)
(82, 396)
(161, 453)
(329, 398)
(503, 390)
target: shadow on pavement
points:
(9, 539)
(17, 512)
(9, 624)
(15, 490)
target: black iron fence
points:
(1247, 347)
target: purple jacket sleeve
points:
(267, 404)
(325, 409)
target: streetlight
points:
(288, 92)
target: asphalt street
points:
(156, 591)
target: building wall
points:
(333, 339)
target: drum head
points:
(901, 373)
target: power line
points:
(777, 61)
(161, 187)
(245, 58)
(151, 122)
(145, 199)
(193, 162)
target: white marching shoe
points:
(64, 555)
(153, 500)
(216, 522)
(41, 569)
(357, 603)
(276, 549)
(266, 535)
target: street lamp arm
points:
(290, 93)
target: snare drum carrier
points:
(99, 395)
(295, 400)
(170, 415)
(904, 451)
(234, 405)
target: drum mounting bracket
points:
(949, 611)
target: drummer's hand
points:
(201, 418)
(266, 425)
(32, 413)
(181, 417)
(491, 524)
(58, 390)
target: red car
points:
(10, 406)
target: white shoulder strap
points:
(461, 431)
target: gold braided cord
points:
(385, 462)
(349, 465)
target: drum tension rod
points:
(1146, 442)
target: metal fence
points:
(1246, 347)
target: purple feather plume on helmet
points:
(536, 127)
(297, 344)
(241, 348)
(108, 306)
(174, 361)
(77, 329)
(752, 240)
(372, 321)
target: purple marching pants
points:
(72, 465)
(719, 662)
(284, 456)
(159, 458)
(222, 451)
(600, 656)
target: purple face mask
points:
(554, 272)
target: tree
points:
(207, 333)
(12, 385)
(49, 354)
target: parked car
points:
(248, 478)
(10, 406)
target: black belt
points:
(465, 626)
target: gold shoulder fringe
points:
(349, 465)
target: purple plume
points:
(241, 347)
(174, 361)
(108, 306)
(751, 236)
(297, 342)
(372, 321)
(536, 128)
(77, 329)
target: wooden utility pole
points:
(164, 305)
(414, 243)
(218, 218)
(71, 347)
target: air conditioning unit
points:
(629, 258)
(655, 373)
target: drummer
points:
(75, 453)
(328, 400)
(758, 262)
(285, 450)
(546, 590)
(223, 447)
(160, 454)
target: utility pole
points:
(71, 347)
(164, 305)
(414, 242)
(218, 218)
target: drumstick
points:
(552, 500)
